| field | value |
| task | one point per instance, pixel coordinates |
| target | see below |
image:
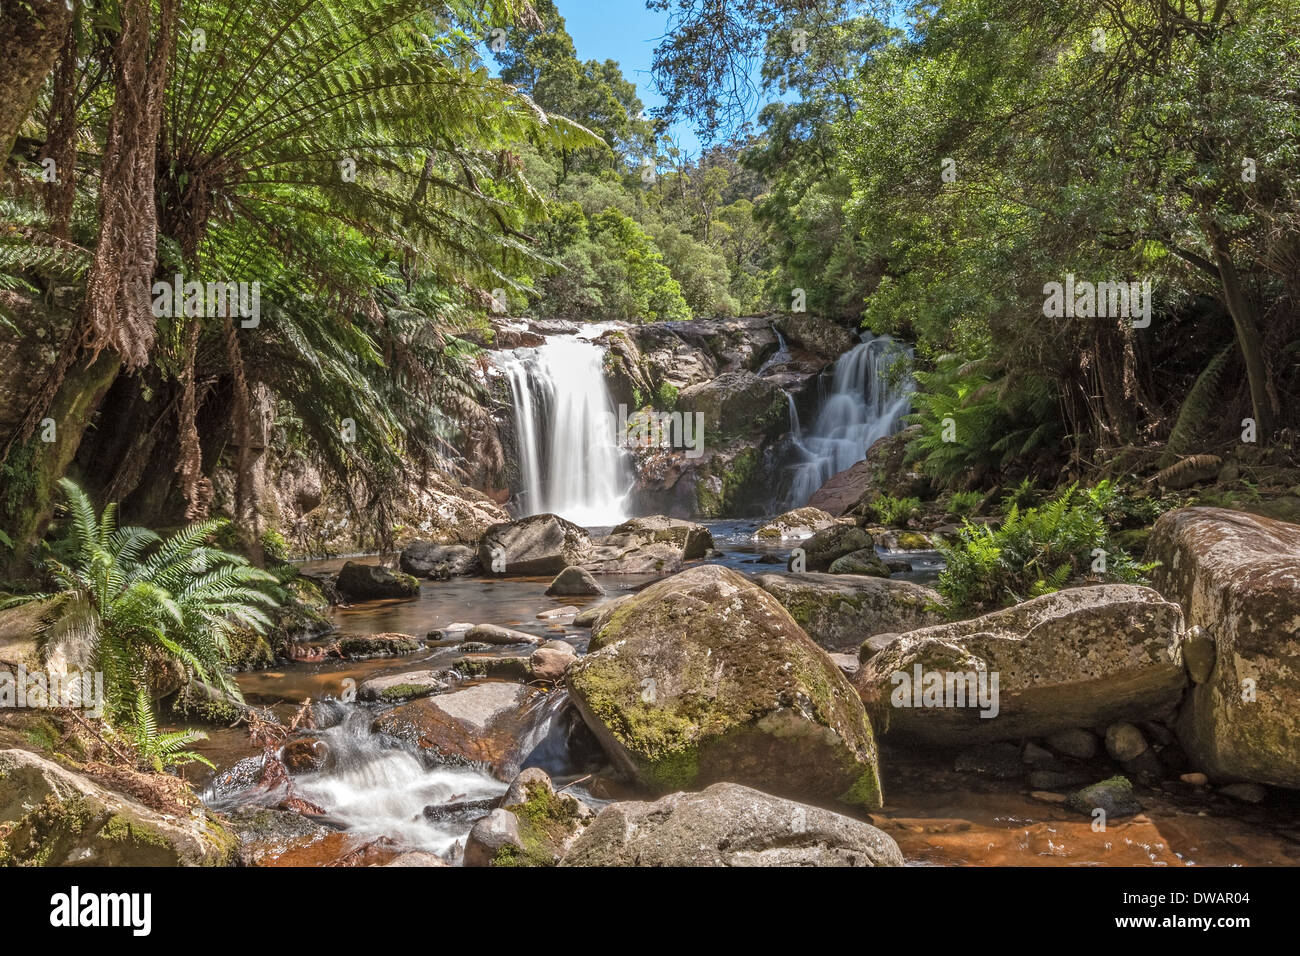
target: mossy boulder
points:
(1237, 578)
(656, 544)
(362, 646)
(820, 551)
(543, 825)
(1082, 657)
(865, 562)
(736, 404)
(795, 525)
(704, 677)
(841, 611)
(728, 825)
(61, 818)
(368, 582)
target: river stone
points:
(574, 581)
(551, 661)
(86, 824)
(703, 677)
(304, 754)
(1074, 742)
(417, 858)
(362, 646)
(589, 616)
(1237, 576)
(693, 540)
(797, 524)
(1124, 741)
(536, 545)
(840, 611)
(495, 634)
(391, 688)
(1081, 657)
(864, 562)
(481, 724)
(495, 833)
(431, 559)
(728, 825)
(652, 545)
(1114, 796)
(821, 550)
(368, 582)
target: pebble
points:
(1195, 779)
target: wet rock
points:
(882, 471)
(264, 835)
(795, 525)
(391, 688)
(417, 858)
(1124, 742)
(896, 565)
(574, 581)
(430, 559)
(819, 552)
(1074, 742)
(1034, 754)
(480, 724)
(450, 633)
(304, 754)
(1146, 768)
(1114, 796)
(736, 403)
(551, 661)
(536, 545)
(558, 613)
(497, 833)
(865, 562)
(1079, 657)
(368, 582)
(704, 677)
(495, 666)
(999, 761)
(362, 646)
(467, 810)
(693, 540)
(728, 825)
(61, 818)
(1245, 792)
(496, 635)
(546, 822)
(1237, 576)
(839, 611)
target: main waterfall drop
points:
(570, 462)
(867, 401)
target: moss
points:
(403, 691)
(865, 791)
(546, 820)
(376, 646)
(913, 541)
(119, 829)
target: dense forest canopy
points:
(924, 170)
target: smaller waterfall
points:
(570, 462)
(865, 403)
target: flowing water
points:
(867, 400)
(570, 461)
(372, 786)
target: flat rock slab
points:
(840, 611)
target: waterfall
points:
(570, 462)
(863, 405)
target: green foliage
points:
(140, 608)
(895, 511)
(160, 750)
(965, 502)
(1035, 552)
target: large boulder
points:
(654, 545)
(368, 582)
(58, 817)
(728, 825)
(840, 611)
(816, 333)
(704, 677)
(819, 552)
(430, 559)
(574, 581)
(1237, 577)
(484, 724)
(543, 544)
(793, 525)
(1083, 657)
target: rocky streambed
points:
(680, 679)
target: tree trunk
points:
(31, 35)
(1249, 339)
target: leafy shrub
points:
(895, 511)
(1035, 552)
(964, 502)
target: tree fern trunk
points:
(31, 35)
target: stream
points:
(373, 787)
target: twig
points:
(104, 740)
(574, 782)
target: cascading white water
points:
(865, 403)
(570, 462)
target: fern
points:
(1198, 407)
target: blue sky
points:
(623, 30)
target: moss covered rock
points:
(864, 562)
(795, 525)
(820, 551)
(1237, 578)
(366, 582)
(841, 611)
(704, 677)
